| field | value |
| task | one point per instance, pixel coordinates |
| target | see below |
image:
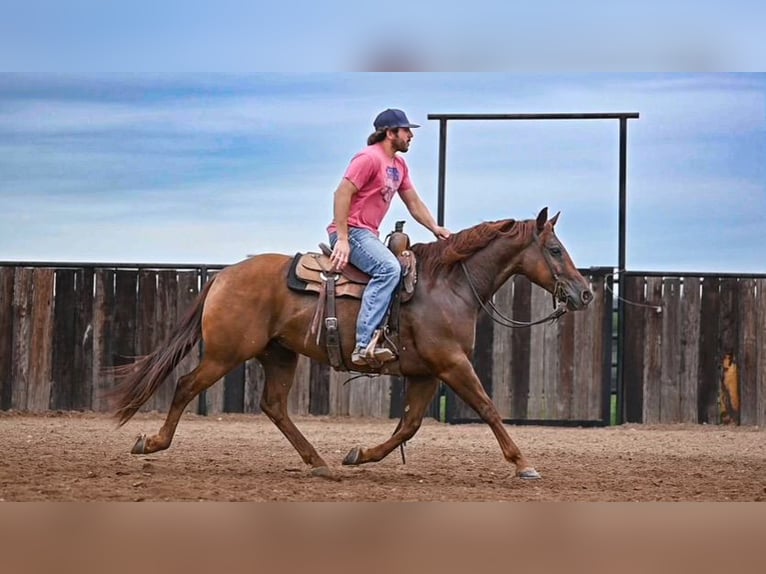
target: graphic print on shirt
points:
(393, 181)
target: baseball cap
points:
(391, 118)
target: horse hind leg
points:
(279, 366)
(420, 393)
(188, 387)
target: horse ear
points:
(542, 217)
(554, 219)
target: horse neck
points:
(491, 266)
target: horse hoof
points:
(140, 446)
(529, 474)
(324, 472)
(353, 456)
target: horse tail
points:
(140, 379)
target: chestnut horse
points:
(248, 311)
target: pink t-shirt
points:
(378, 178)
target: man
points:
(361, 202)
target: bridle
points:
(559, 294)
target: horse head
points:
(551, 267)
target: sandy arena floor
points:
(84, 457)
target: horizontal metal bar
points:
(694, 274)
(558, 116)
(69, 264)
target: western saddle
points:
(313, 272)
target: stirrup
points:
(377, 354)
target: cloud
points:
(148, 163)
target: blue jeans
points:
(371, 255)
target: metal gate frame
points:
(622, 118)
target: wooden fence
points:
(702, 353)
(60, 326)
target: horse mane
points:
(441, 256)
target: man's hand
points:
(340, 253)
(441, 232)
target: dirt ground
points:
(84, 457)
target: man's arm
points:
(422, 214)
(341, 207)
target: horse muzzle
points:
(575, 298)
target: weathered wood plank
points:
(728, 338)
(690, 338)
(710, 361)
(632, 291)
(670, 384)
(652, 351)
(565, 389)
(339, 392)
(501, 353)
(358, 395)
(382, 398)
(396, 406)
(146, 323)
(22, 332)
(72, 363)
(299, 399)
(761, 344)
(84, 382)
(124, 313)
(748, 351)
(520, 348)
(41, 341)
(103, 337)
(6, 335)
(608, 338)
(301, 379)
(234, 390)
(63, 370)
(551, 369)
(584, 343)
(319, 389)
(540, 307)
(594, 318)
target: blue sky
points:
(207, 168)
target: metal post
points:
(441, 186)
(202, 404)
(442, 170)
(621, 269)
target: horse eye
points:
(555, 251)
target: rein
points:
(494, 314)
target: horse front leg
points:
(462, 379)
(420, 393)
